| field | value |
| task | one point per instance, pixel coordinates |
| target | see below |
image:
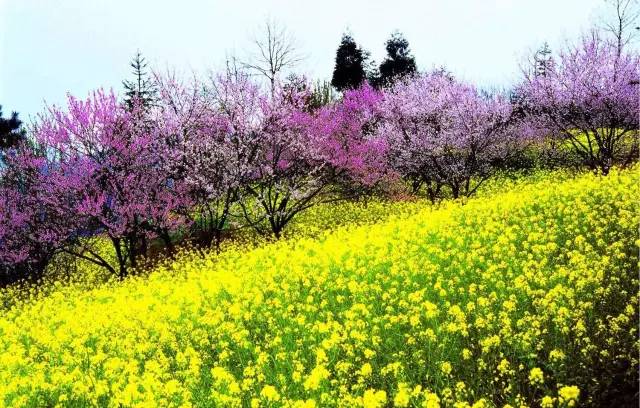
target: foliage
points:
(140, 92)
(323, 94)
(543, 60)
(398, 63)
(526, 297)
(11, 132)
(349, 71)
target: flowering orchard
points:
(210, 157)
(523, 298)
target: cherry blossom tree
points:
(345, 133)
(305, 156)
(590, 101)
(110, 163)
(210, 129)
(287, 172)
(35, 217)
(442, 132)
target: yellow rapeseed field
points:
(523, 298)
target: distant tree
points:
(296, 83)
(399, 61)
(621, 21)
(276, 52)
(542, 60)
(11, 132)
(350, 69)
(141, 90)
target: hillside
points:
(522, 297)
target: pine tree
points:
(399, 61)
(349, 71)
(543, 61)
(141, 88)
(11, 132)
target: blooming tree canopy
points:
(109, 161)
(443, 132)
(591, 100)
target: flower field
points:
(521, 298)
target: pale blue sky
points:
(50, 47)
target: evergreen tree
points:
(349, 71)
(543, 61)
(141, 88)
(399, 61)
(11, 132)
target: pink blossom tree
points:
(110, 163)
(287, 172)
(442, 132)
(345, 133)
(589, 100)
(303, 156)
(35, 221)
(211, 130)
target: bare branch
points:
(276, 51)
(621, 21)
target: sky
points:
(51, 47)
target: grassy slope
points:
(459, 303)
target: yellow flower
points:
(374, 399)
(304, 404)
(321, 356)
(431, 400)
(503, 367)
(556, 355)
(568, 395)
(536, 376)
(547, 402)
(316, 376)
(404, 291)
(270, 393)
(446, 367)
(481, 403)
(402, 397)
(366, 370)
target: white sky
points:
(51, 47)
